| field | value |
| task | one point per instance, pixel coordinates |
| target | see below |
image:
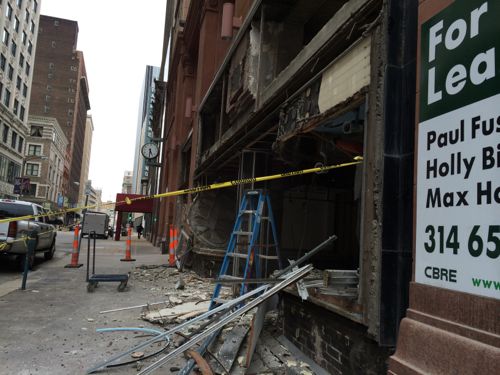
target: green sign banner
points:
(457, 241)
(460, 57)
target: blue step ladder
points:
(250, 241)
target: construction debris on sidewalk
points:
(227, 354)
(236, 332)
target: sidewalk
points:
(50, 327)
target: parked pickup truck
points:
(11, 234)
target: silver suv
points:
(13, 233)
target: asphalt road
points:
(10, 274)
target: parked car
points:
(11, 233)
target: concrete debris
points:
(178, 313)
(187, 296)
(180, 284)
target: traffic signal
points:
(130, 216)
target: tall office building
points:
(87, 149)
(144, 131)
(18, 25)
(60, 90)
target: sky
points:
(118, 39)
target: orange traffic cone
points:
(128, 254)
(172, 245)
(76, 250)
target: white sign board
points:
(458, 165)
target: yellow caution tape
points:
(199, 189)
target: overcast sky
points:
(118, 39)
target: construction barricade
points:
(174, 240)
(75, 253)
(128, 243)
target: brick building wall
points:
(337, 344)
(56, 90)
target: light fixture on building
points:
(229, 21)
(189, 109)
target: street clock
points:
(150, 150)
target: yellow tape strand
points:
(219, 185)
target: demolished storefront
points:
(303, 84)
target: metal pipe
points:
(134, 307)
(222, 307)
(292, 278)
(118, 329)
(308, 255)
(186, 370)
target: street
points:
(50, 327)
(10, 276)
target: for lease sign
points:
(458, 166)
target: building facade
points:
(19, 23)
(265, 87)
(44, 161)
(60, 90)
(261, 88)
(144, 132)
(127, 182)
(87, 149)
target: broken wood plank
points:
(228, 352)
(257, 325)
(201, 362)
(177, 311)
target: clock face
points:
(149, 150)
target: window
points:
(27, 69)
(53, 44)
(20, 145)
(25, 90)
(73, 68)
(21, 60)
(5, 133)
(5, 37)
(70, 112)
(26, 15)
(1, 89)
(25, 38)
(3, 60)
(13, 48)
(16, 108)
(50, 75)
(13, 171)
(10, 74)
(21, 113)
(46, 109)
(32, 169)
(16, 24)
(34, 150)
(18, 83)
(35, 6)
(49, 87)
(30, 47)
(71, 100)
(19, 3)
(8, 12)
(13, 140)
(32, 27)
(6, 99)
(47, 98)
